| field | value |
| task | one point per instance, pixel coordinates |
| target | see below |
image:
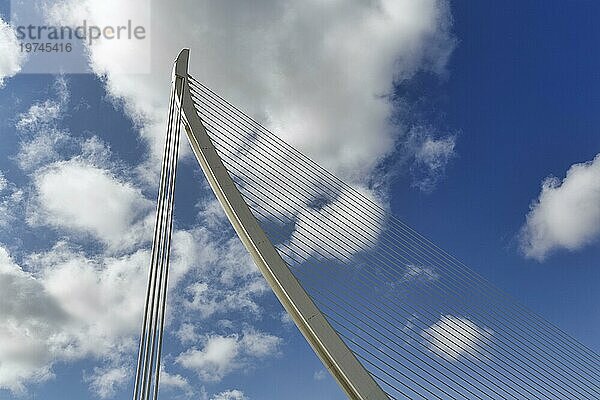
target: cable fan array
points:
(148, 364)
(423, 324)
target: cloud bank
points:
(317, 73)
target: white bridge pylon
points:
(341, 362)
(333, 352)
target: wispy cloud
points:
(320, 375)
(428, 155)
(230, 395)
(42, 114)
(41, 138)
(229, 281)
(11, 202)
(420, 273)
(105, 381)
(175, 381)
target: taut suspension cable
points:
(444, 334)
(148, 365)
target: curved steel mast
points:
(327, 344)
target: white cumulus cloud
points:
(59, 313)
(72, 307)
(215, 360)
(29, 322)
(340, 229)
(174, 381)
(76, 196)
(222, 355)
(317, 72)
(11, 56)
(566, 214)
(454, 337)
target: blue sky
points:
(521, 92)
(485, 100)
